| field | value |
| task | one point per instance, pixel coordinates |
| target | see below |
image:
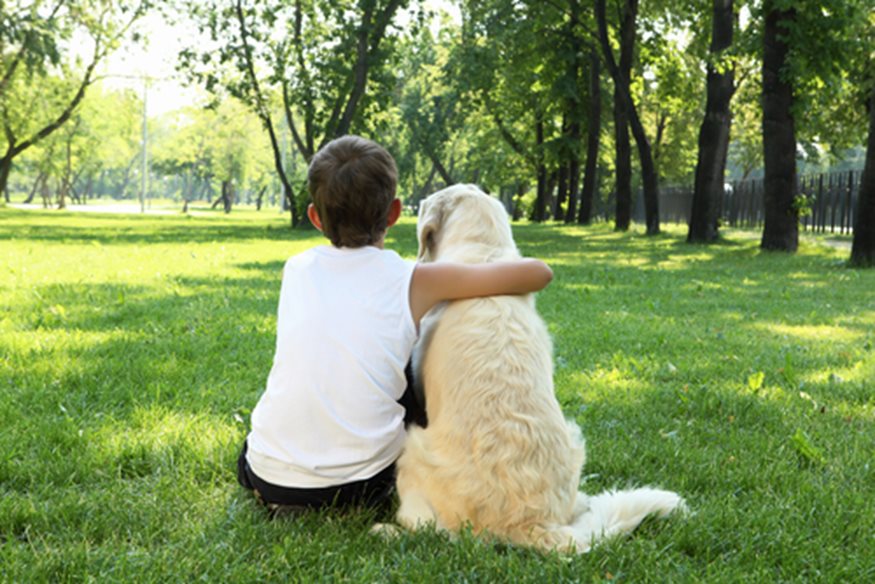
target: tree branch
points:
(290, 120)
(263, 112)
(7, 77)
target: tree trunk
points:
(263, 113)
(575, 68)
(623, 167)
(260, 198)
(573, 186)
(550, 203)
(517, 208)
(587, 196)
(561, 192)
(622, 147)
(227, 195)
(539, 211)
(66, 181)
(44, 193)
(863, 249)
(623, 100)
(714, 132)
(648, 175)
(439, 167)
(89, 189)
(371, 33)
(39, 178)
(781, 230)
(6, 166)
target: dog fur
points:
(498, 455)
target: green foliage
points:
(672, 100)
(830, 48)
(133, 348)
(103, 135)
(221, 143)
(49, 52)
(303, 57)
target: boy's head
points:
(352, 182)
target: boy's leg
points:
(374, 492)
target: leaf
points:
(755, 381)
(802, 444)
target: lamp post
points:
(144, 159)
(144, 168)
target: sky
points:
(156, 59)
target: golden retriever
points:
(498, 454)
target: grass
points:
(133, 348)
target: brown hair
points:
(352, 182)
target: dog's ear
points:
(430, 218)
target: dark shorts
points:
(375, 492)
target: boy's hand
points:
(435, 282)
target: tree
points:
(714, 132)
(593, 139)
(311, 60)
(431, 106)
(40, 44)
(623, 69)
(863, 249)
(223, 143)
(781, 229)
(624, 104)
(101, 137)
(810, 57)
(509, 71)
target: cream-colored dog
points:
(497, 454)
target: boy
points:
(329, 426)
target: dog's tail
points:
(616, 512)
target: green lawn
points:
(133, 348)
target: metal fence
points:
(827, 203)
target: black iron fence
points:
(827, 202)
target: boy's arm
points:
(435, 282)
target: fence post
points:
(846, 214)
(803, 192)
(826, 195)
(733, 203)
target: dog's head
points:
(463, 223)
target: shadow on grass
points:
(208, 345)
(108, 229)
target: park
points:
(711, 309)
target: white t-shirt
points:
(330, 412)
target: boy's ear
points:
(430, 218)
(313, 215)
(394, 213)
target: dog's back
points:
(504, 444)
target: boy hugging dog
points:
(330, 424)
